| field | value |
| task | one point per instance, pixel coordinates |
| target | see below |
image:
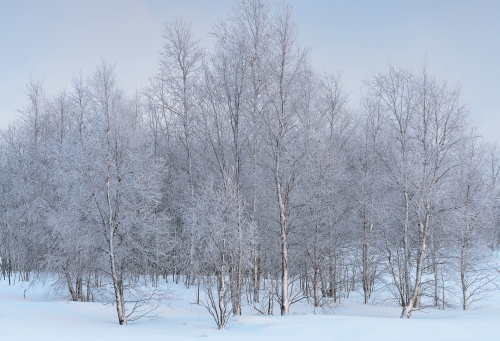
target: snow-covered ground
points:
(38, 317)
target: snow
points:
(40, 317)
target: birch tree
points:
(173, 105)
(124, 190)
(473, 222)
(287, 64)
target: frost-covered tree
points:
(241, 170)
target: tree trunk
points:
(408, 309)
(256, 279)
(117, 285)
(463, 263)
(284, 246)
(69, 282)
(316, 280)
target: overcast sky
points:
(52, 40)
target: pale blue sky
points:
(51, 40)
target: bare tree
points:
(473, 221)
(288, 64)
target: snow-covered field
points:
(37, 317)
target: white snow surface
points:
(39, 317)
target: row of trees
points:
(244, 172)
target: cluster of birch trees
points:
(243, 172)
